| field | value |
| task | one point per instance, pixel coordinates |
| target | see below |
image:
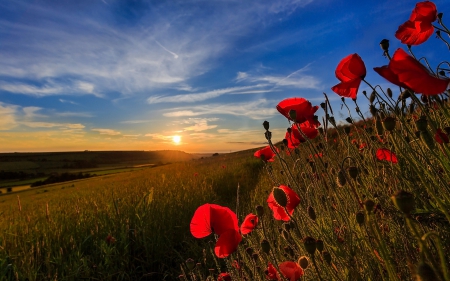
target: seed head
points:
(404, 201)
(310, 245)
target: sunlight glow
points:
(176, 139)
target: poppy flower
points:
(250, 222)
(272, 273)
(441, 137)
(294, 138)
(279, 212)
(350, 71)
(210, 218)
(419, 27)
(110, 239)
(291, 270)
(387, 155)
(224, 277)
(266, 154)
(405, 71)
(303, 108)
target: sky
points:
(191, 75)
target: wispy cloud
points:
(258, 109)
(109, 132)
(200, 124)
(7, 116)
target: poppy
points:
(291, 270)
(350, 71)
(405, 71)
(224, 277)
(110, 239)
(266, 154)
(303, 108)
(386, 154)
(419, 27)
(441, 137)
(250, 222)
(279, 212)
(294, 138)
(271, 273)
(210, 218)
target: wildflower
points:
(419, 27)
(271, 273)
(250, 222)
(303, 108)
(224, 277)
(110, 240)
(387, 155)
(405, 71)
(236, 265)
(210, 218)
(279, 211)
(441, 137)
(350, 71)
(266, 154)
(291, 270)
(295, 137)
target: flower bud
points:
(311, 213)
(389, 92)
(379, 126)
(405, 94)
(332, 121)
(259, 210)
(268, 135)
(353, 172)
(372, 97)
(360, 218)
(249, 251)
(389, 123)
(266, 125)
(369, 205)
(404, 201)
(373, 110)
(349, 120)
(323, 105)
(326, 256)
(280, 196)
(310, 245)
(303, 262)
(340, 179)
(265, 246)
(285, 142)
(384, 44)
(319, 245)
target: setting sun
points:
(176, 139)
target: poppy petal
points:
(387, 155)
(351, 67)
(227, 243)
(291, 270)
(347, 89)
(210, 218)
(414, 33)
(250, 222)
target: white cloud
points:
(109, 132)
(200, 124)
(7, 116)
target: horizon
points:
(113, 75)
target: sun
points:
(176, 139)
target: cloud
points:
(200, 124)
(255, 109)
(109, 132)
(7, 116)
(36, 124)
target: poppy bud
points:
(340, 179)
(384, 44)
(349, 120)
(311, 213)
(373, 110)
(319, 245)
(259, 210)
(268, 135)
(323, 105)
(389, 92)
(425, 272)
(266, 125)
(326, 256)
(347, 130)
(372, 97)
(427, 139)
(285, 142)
(249, 251)
(190, 263)
(285, 234)
(310, 245)
(332, 121)
(280, 196)
(404, 201)
(405, 94)
(293, 114)
(442, 73)
(369, 205)
(353, 172)
(303, 262)
(265, 246)
(360, 218)
(379, 126)
(255, 256)
(389, 123)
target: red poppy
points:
(224, 277)
(304, 110)
(272, 273)
(291, 270)
(405, 71)
(317, 155)
(210, 218)
(250, 222)
(441, 137)
(279, 212)
(110, 239)
(350, 71)
(195, 174)
(386, 154)
(419, 27)
(236, 265)
(295, 137)
(266, 154)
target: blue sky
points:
(130, 75)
